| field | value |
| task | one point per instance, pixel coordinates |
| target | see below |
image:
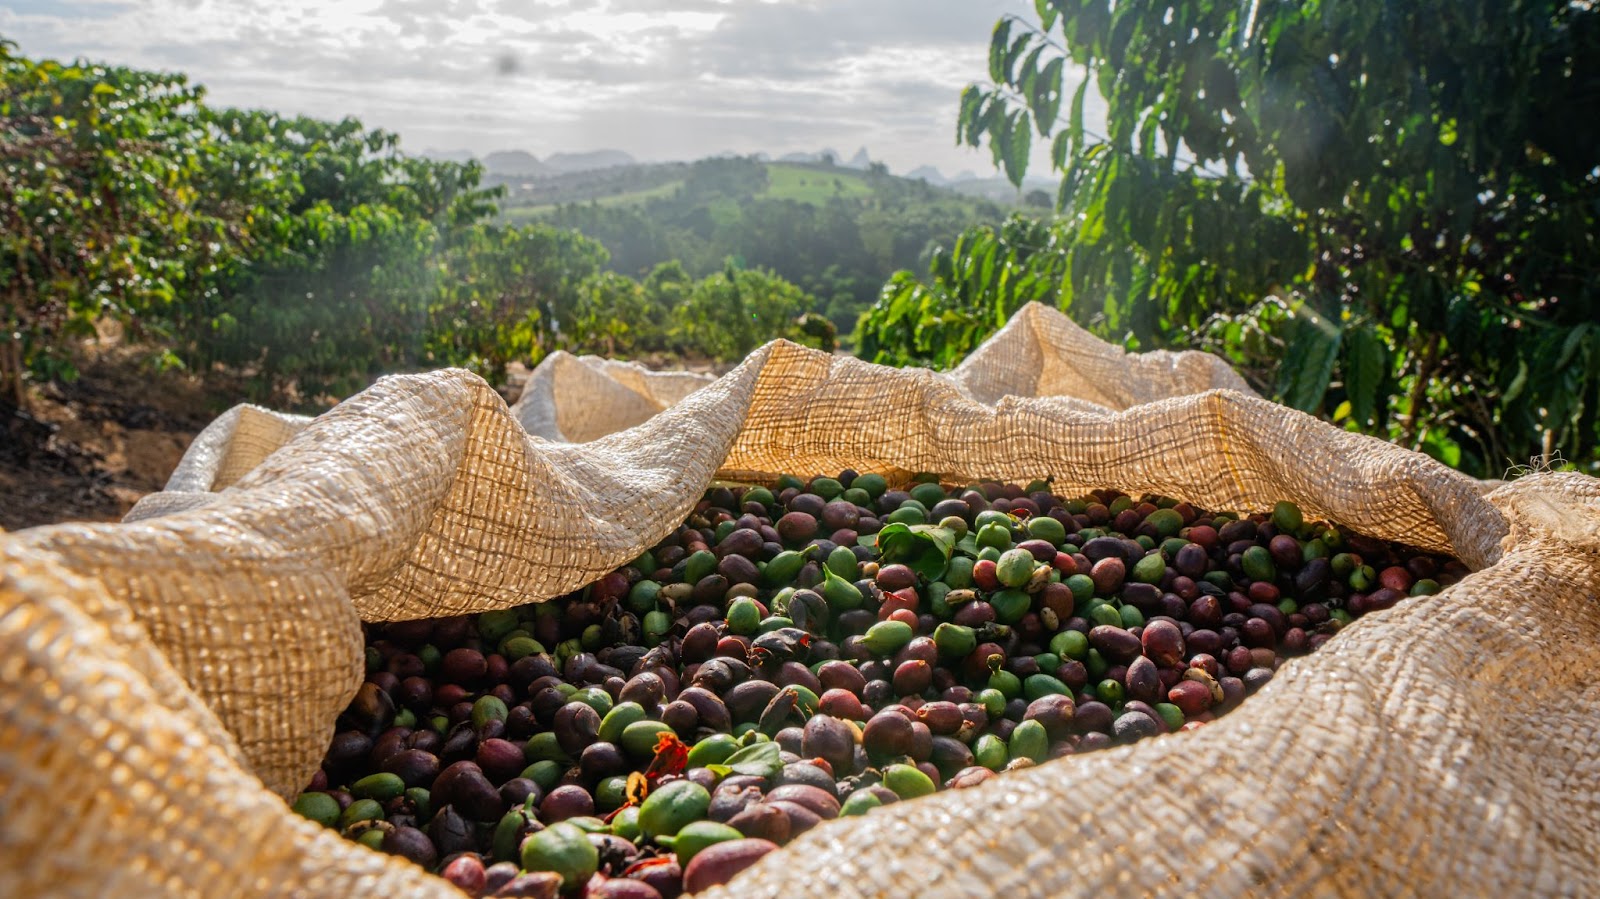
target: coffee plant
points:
(1384, 214)
(308, 256)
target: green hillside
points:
(634, 185)
(521, 214)
(837, 232)
(814, 184)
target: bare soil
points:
(89, 449)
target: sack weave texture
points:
(167, 681)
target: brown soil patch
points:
(88, 450)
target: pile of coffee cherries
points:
(815, 649)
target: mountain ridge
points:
(522, 164)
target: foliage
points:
(817, 331)
(511, 293)
(339, 277)
(308, 255)
(103, 208)
(972, 290)
(835, 232)
(1413, 188)
(731, 313)
(617, 316)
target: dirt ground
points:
(88, 450)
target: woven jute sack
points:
(167, 681)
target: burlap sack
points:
(162, 679)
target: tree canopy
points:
(1384, 213)
(836, 233)
(308, 256)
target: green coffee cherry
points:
(360, 810)
(1287, 518)
(672, 806)
(859, 803)
(1015, 567)
(990, 751)
(1043, 527)
(486, 709)
(744, 617)
(1029, 740)
(642, 597)
(954, 641)
(887, 637)
(874, 485)
(1038, 685)
(565, 849)
(907, 781)
(995, 536)
(382, 787)
(319, 807)
(617, 720)
(1070, 645)
(1166, 522)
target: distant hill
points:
(514, 163)
(447, 155)
(837, 231)
(795, 176)
(860, 162)
(545, 185)
(994, 188)
(999, 190)
(609, 186)
(563, 163)
(613, 176)
(506, 165)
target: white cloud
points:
(657, 78)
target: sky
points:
(660, 79)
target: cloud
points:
(658, 78)
(78, 9)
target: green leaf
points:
(1366, 364)
(1027, 74)
(1000, 128)
(1571, 344)
(1059, 149)
(1046, 96)
(999, 43)
(1009, 64)
(1047, 14)
(1438, 445)
(967, 130)
(924, 548)
(1308, 361)
(755, 760)
(1018, 148)
(1075, 115)
(1518, 383)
